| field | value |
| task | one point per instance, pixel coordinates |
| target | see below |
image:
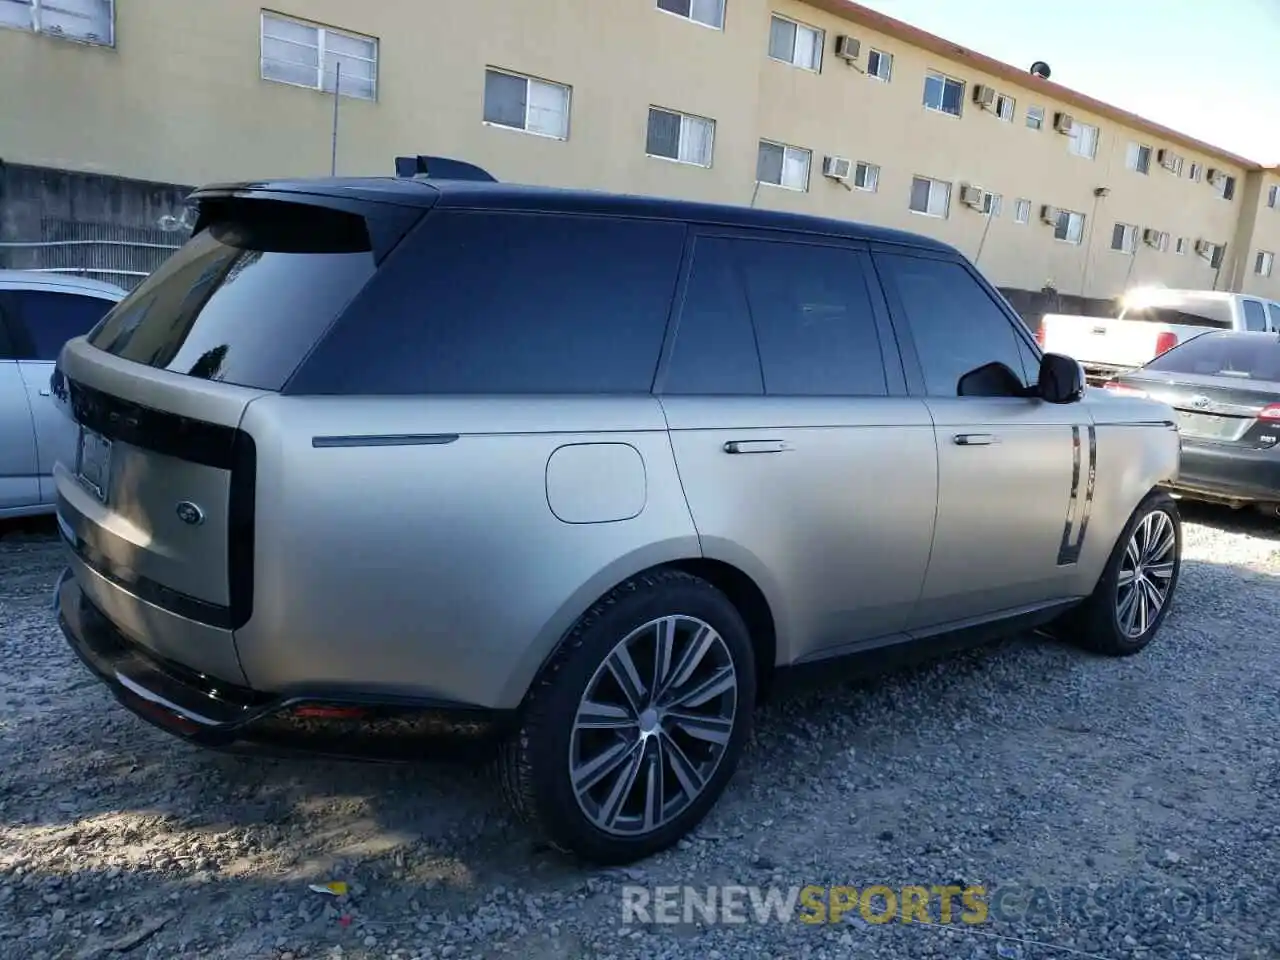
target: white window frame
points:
(1077, 137)
(691, 19)
(1128, 238)
(881, 58)
(1022, 211)
(819, 43)
(1035, 112)
(1196, 173)
(685, 120)
(1264, 263)
(1073, 218)
(787, 151)
(1133, 157)
(37, 25)
(1273, 196)
(946, 204)
(867, 173)
(1006, 107)
(568, 105)
(1180, 248)
(992, 204)
(322, 32)
(945, 78)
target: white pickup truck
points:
(1151, 322)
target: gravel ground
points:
(1145, 789)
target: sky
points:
(1207, 68)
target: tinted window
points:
(1254, 317)
(502, 303)
(51, 319)
(1274, 311)
(715, 348)
(7, 350)
(955, 325)
(1238, 357)
(244, 300)
(813, 319)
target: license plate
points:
(93, 462)
(1209, 426)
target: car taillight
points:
(1165, 340)
(1115, 386)
(1270, 412)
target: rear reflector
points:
(1115, 386)
(316, 712)
(1270, 412)
(1165, 341)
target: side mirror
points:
(993, 379)
(1061, 379)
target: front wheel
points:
(634, 728)
(1136, 589)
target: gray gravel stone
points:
(1115, 808)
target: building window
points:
(1035, 118)
(308, 55)
(992, 204)
(709, 13)
(1138, 158)
(1163, 244)
(943, 94)
(880, 65)
(523, 103)
(932, 198)
(782, 166)
(866, 176)
(1195, 173)
(1069, 226)
(1226, 187)
(1022, 211)
(1180, 248)
(795, 43)
(1273, 196)
(88, 21)
(1124, 237)
(680, 137)
(1083, 141)
(1005, 106)
(1263, 263)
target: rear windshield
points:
(1184, 311)
(245, 299)
(1245, 357)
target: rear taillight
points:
(1166, 340)
(1115, 386)
(1270, 412)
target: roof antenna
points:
(441, 168)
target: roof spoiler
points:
(441, 168)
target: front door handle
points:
(755, 446)
(974, 439)
(44, 391)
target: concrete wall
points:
(1263, 233)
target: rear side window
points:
(954, 323)
(813, 319)
(715, 347)
(1254, 316)
(508, 303)
(8, 351)
(48, 319)
(1274, 311)
(1223, 355)
(244, 300)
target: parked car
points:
(1225, 387)
(39, 312)
(590, 472)
(1151, 321)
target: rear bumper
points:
(1219, 472)
(212, 713)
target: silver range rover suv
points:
(371, 464)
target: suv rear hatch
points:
(158, 508)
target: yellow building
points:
(735, 101)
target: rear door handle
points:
(755, 446)
(974, 439)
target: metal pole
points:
(337, 82)
(982, 242)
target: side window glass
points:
(813, 319)
(1274, 310)
(51, 319)
(955, 325)
(7, 348)
(715, 348)
(1254, 318)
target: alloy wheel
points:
(652, 725)
(1146, 574)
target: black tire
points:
(1269, 510)
(1095, 624)
(534, 763)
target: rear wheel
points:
(631, 733)
(1134, 593)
